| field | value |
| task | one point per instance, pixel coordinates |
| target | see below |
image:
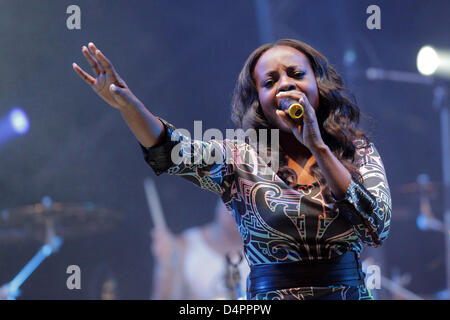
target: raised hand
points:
(106, 83)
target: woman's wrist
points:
(320, 150)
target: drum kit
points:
(49, 223)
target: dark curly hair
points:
(337, 114)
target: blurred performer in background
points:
(195, 264)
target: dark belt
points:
(342, 270)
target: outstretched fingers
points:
(105, 64)
(83, 74)
(91, 60)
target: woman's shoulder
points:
(364, 149)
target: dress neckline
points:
(314, 184)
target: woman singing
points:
(303, 226)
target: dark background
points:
(182, 58)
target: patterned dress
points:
(277, 222)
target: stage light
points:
(19, 121)
(427, 60)
(433, 61)
(421, 222)
(13, 124)
(349, 57)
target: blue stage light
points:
(349, 57)
(422, 222)
(19, 120)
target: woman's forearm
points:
(336, 175)
(147, 128)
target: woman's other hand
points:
(306, 129)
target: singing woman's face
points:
(283, 68)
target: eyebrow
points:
(289, 68)
(270, 73)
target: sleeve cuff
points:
(358, 200)
(159, 157)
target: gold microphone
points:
(295, 109)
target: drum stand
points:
(233, 276)
(52, 244)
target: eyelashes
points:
(296, 75)
(299, 74)
(267, 83)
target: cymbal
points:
(68, 220)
